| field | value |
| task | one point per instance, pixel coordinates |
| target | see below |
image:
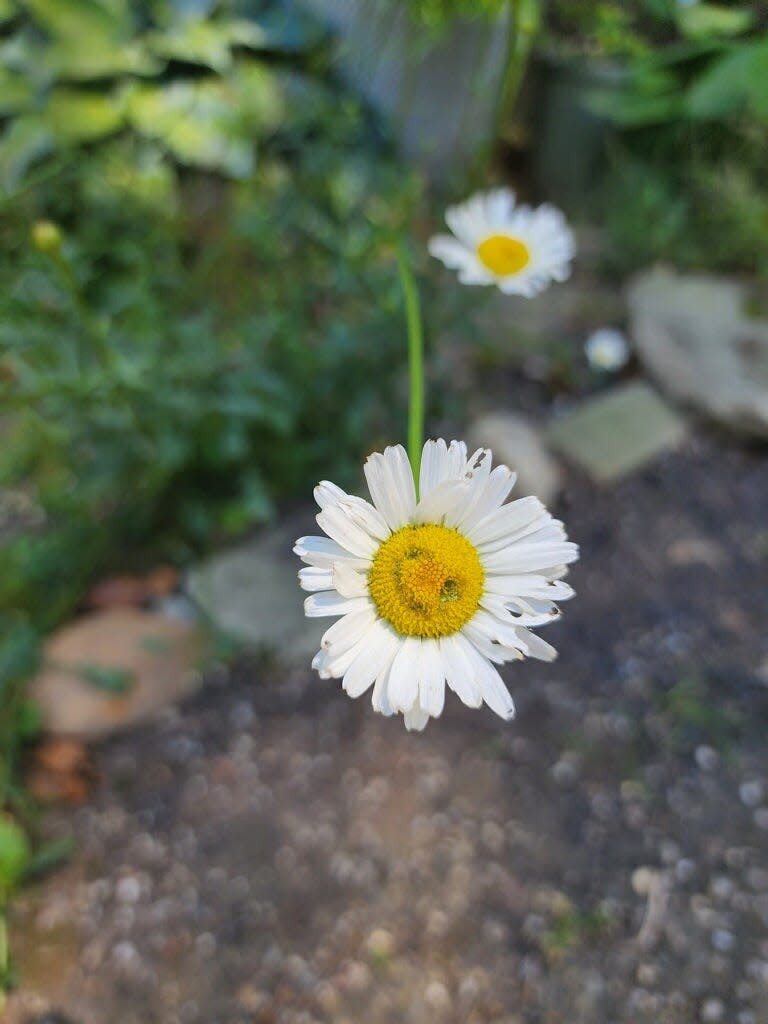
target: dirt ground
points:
(274, 853)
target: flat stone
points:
(616, 433)
(251, 593)
(694, 334)
(109, 670)
(517, 442)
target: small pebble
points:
(685, 869)
(437, 997)
(707, 758)
(751, 793)
(128, 890)
(712, 1010)
(380, 944)
(722, 940)
(642, 880)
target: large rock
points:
(109, 670)
(694, 334)
(516, 442)
(251, 593)
(613, 434)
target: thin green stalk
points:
(3, 957)
(415, 363)
(524, 18)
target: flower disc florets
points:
(426, 580)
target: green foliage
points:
(195, 79)
(15, 855)
(180, 351)
(199, 312)
(438, 15)
(695, 715)
(688, 180)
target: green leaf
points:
(701, 19)
(199, 122)
(51, 855)
(116, 681)
(733, 82)
(206, 42)
(77, 115)
(635, 109)
(27, 139)
(16, 91)
(103, 58)
(8, 10)
(83, 22)
(260, 94)
(15, 854)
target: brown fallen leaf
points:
(61, 771)
(117, 592)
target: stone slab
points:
(251, 593)
(614, 434)
(694, 333)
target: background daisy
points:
(433, 590)
(518, 248)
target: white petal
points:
(327, 494)
(519, 612)
(331, 603)
(459, 672)
(538, 648)
(405, 673)
(434, 466)
(488, 496)
(528, 585)
(375, 657)
(507, 519)
(432, 680)
(348, 630)
(313, 578)
(521, 558)
(444, 503)
(495, 652)
(364, 515)
(500, 629)
(448, 250)
(416, 718)
(348, 582)
(494, 691)
(390, 481)
(336, 523)
(467, 221)
(380, 697)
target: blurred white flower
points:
(607, 349)
(518, 248)
(433, 590)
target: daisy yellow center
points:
(426, 580)
(503, 255)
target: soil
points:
(274, 853)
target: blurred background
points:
(200, 205)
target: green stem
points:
(415, 363)
(3, 957)
(524, 17)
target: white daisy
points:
(607, 349)
(436, 589)
(515, 247)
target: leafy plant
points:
(688, 178)
(437, 15)
(191, 77)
